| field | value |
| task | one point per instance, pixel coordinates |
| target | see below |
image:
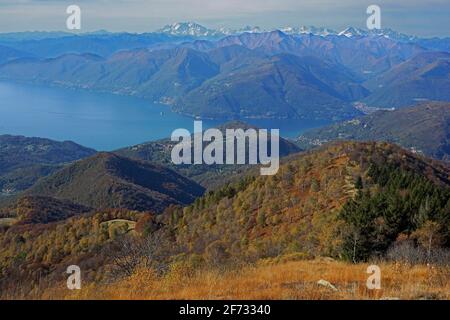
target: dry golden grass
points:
(289, 280)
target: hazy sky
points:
(424, 18)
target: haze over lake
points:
(99, 120)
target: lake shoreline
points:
(97, 119)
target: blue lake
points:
(99, 120)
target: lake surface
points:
(102, 121)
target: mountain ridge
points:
(424, 128)
(192, 74)
(106, 180)
(317, 202)
(351, 201)
(23, 160)
(210, 177)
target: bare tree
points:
(130, 253)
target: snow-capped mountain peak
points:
(308, 30)
(391, 34)
(194, 29)
(250, 29)
(353, 32)
(187, 29)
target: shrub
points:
(407, 252)
(216, 253)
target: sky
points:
(417, 17)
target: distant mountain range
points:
(426, 76)
(9, 54)
(24, 160)
(251, 75)
(102, 42)
(193, 29)
(33, 35)
(301, 73)
(196, 30)
(424, 129)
